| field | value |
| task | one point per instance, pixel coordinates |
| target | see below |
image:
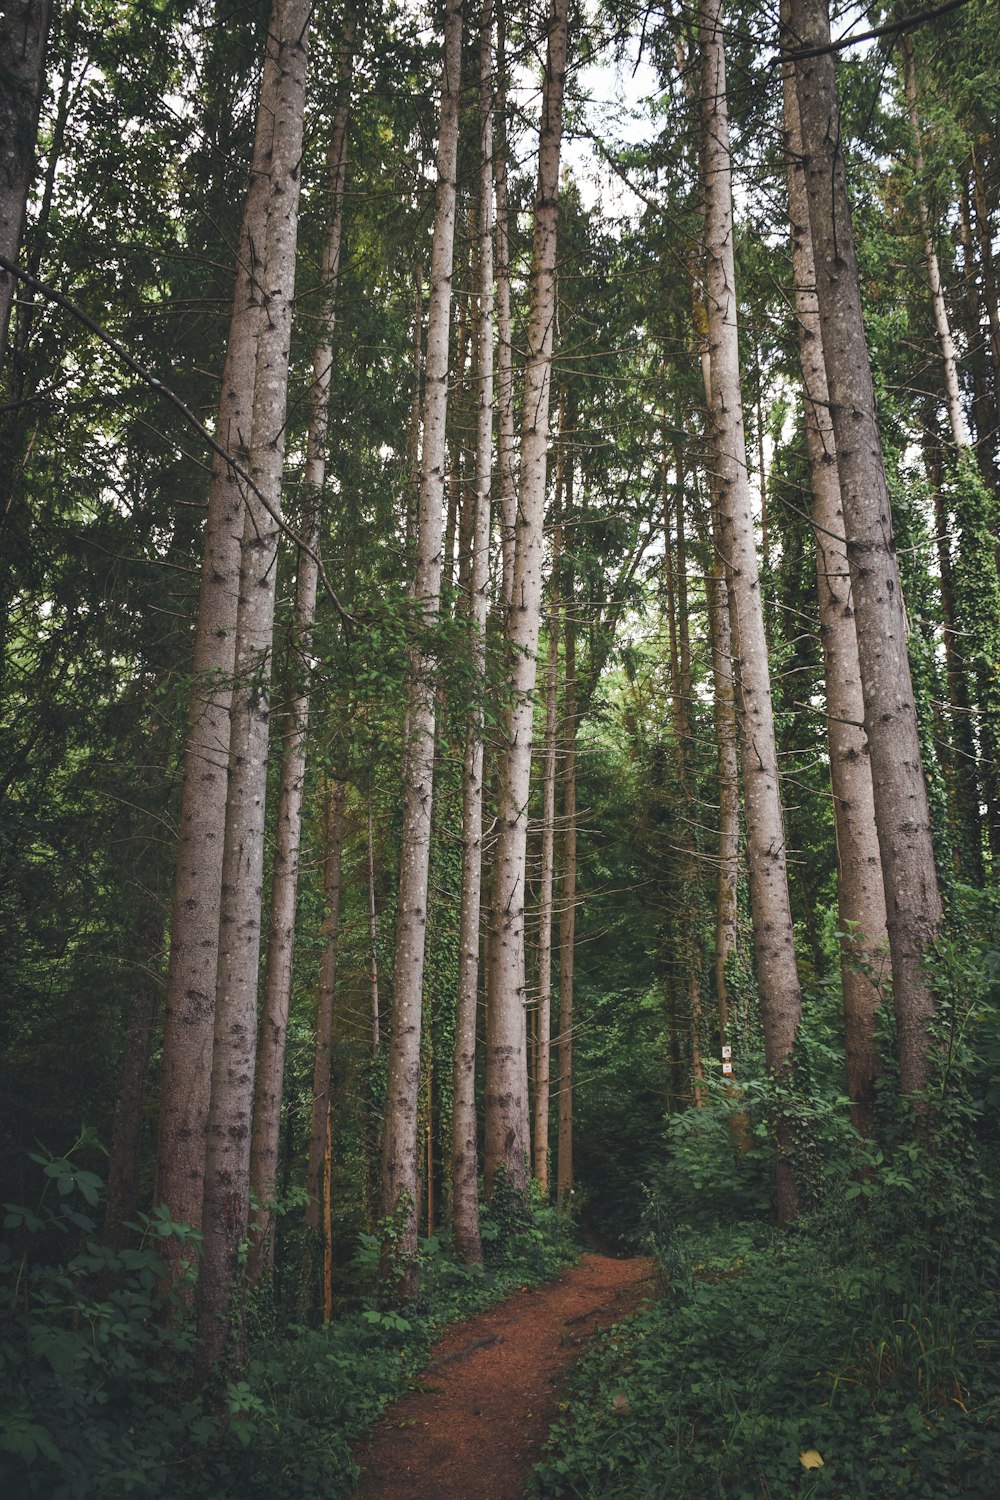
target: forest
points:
(499, 739)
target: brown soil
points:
(491, 1388)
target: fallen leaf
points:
(810, 1459)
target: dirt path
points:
(491, 1388)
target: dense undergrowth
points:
(96, 1399)
(855, 1356)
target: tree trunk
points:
(913, 904)
(373, 936)
(680, 672)
(860, 892)
(326, 989)
(189, 1009)
(978, 347)
(985, 234)
(24, 31)
(724, 717)
(414, 434)
(724, 700)
(285, 878)
(464, 1190)
(227, 1155)
(506, 433)
(506, 1095)
(774, 949)
(567, 915)
(960, 767)
(544, 1015)
(399, 1142)
(942, 327)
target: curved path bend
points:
(490, 1391)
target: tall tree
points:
(913, 904)
(24, 31)
(548, 843)
(399, 1141)
(506, 1092)
(189, 1009)
(285, 878)
(464, 1157)
(567, 905)
(227, 1157)
(860, 893)
(335, 798)
(774, 947)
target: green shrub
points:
(97, 1400)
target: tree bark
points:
(288, 837)
(227, 1154)
(724, 716)
(774, 949)
(506, 1094)
(464, 1160)
(985, 234)
(336, 799)
(567, 914)
(860, 892)
(960, 765)
(189, 1008)
(24, 31)
(913, 905)
(399, 1143)
(942, 327)
(544, 1029)
(506, 433)
(373, 936)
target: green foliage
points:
(867, 1338)
(716, 1167)
(95, 1369)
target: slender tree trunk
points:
(979, 349)
(960, 767)
(506, 1095)
(506, 433)
(774, 949)
(328, 1216)
(724, 701)
(543, 1047)
(413, 437)
(942, 327)
(373, 936)
(724, 719)
(189, 1010)
(399, 1144)
(227, 1155)
(24, 31)
(567, 913)
(860, 892)
(901, 812)
(285, 878)
(680, 672)
(985, 234)
(333, 840)
(458, 377)
(464, 1192)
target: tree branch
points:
(891, 28)
(155, 384)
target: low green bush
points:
(858, 1355)
(95, 1371)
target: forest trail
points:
(490, 1390)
